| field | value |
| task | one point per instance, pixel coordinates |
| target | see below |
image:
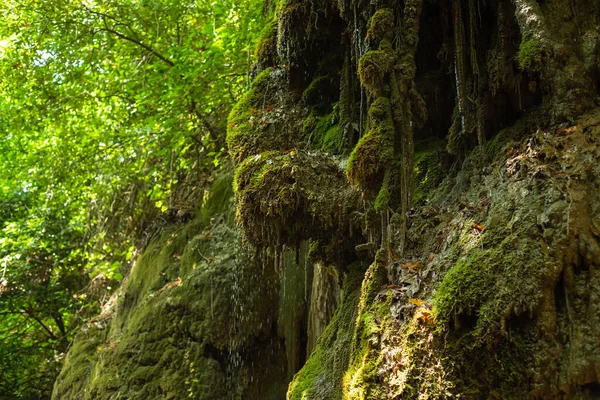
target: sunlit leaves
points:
(106, 108)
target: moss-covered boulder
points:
(286, 198)
(192, 320)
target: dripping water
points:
(459, 95)
(235, 362)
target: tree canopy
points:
(111, 117)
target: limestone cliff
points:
(429, 167)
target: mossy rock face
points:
(494, 299)
(192, 320)
(322, 375)
(264, 118)
(287, 198)
(428, 171)
(325, 133)
(266, 48)
(304, 29)
(530, 54)
(321, 93)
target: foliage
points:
(111, 115)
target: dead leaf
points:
(424, 315)
(478, 228)
(412, 266)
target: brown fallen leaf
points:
(424, 315)
(412, 266)
(478, 228)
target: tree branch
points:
(130, 39)
(50, 333)
(142, 45)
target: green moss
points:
(530, 53)
(286, 198)
(428, 173)
(318, 93)
(322, 375)
(363, 164)
(326, 134)
(369, 157)
(217, 199)
(382, 200)
(381, 25)
(489, 284)
(373, 66)
(76, 371)
(380, 109)
(165, 339)
(361, 380)
(266, 47)
(243, 121)
(456, 137)
(334, 141)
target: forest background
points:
(112, 119)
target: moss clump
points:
(382, 200)
(264, 118)
(334, 140)
(530, 54)
(380, 109)
(364, 168)
(284, 199)
(381, 26)
(375, 149)
(373, 67)
(369, 157)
